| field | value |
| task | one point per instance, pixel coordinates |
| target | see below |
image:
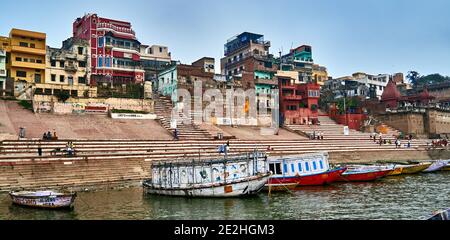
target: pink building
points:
(115, 56)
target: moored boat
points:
(441, 215)
(294, 171)
(363, 175)
(435, 166)
(396, 171)
(415, 168)
(43, 199)
(446, 167)
(229, 177)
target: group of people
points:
(381, 140)
(316, 135)
(48, 136)
(439, 143)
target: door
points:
(70, 78)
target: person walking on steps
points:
(39, 149)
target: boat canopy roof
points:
(201, 162)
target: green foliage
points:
(432, 79)
(413, 78)
(314, 107)
(26, 104)
(302, 105)
(350, 103)
(131, 90)
(63, 96)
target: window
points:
(292, 168)
(100, 62)
(160, 49)
(100, 41)
(275, 168)
(32, 60)
(300, 167)
(81, 80)
(108, 62)
(61, 63)
(21, 74)
(321, 164)
(19, 59)
(80, 50)
(314, 165)
(25, 59)
(37, 78)
(82, 64)
(53, 76)
(53, 63)
(32, 45)
(23, 44)
(285, 168)
(61, 78)
(307, 166)
(38, 61)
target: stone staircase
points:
(185, 126)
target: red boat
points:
(302, 170)
(363, 175)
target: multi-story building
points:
(298, 102)
(115, 50)
(247, 58)
(68, 69)
(319, 74)
(27, 59)
(4, 47)
(154, 59)
(375, 82)
(207, 63)
(299, 60)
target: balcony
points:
(292, 97)
(28, 65)
(266, 81)
(71, 68)
(35, 51)
(115, 28)
(110, 45)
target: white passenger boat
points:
(228, 177)
(43, 199)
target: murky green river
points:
(396, 197)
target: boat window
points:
(307, 166)
(293, 168)
(300, 167)
(321, 164)
(314, 165)
(285, 168)
(275, 168)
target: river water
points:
(397, 197)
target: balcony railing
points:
(127, 67)
(266, 81)
(115, 28)
(292, 97)
(122, 46)
(71, 68)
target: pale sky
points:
(347, 36)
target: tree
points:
(63, 96)
(413, 78)
(432, 78)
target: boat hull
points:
(436, 166)
(395, 172)
(446, 168)
(363, 176)
(442, 215)
(319, 179)
(415, 168)
(49, 202)
(243, 187)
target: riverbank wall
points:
(79, 173)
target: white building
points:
(377, 82)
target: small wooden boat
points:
(446, 167)
(363, 175)
(435, 166)
(441, 215)
(43, 199)
(397, 171)
(229, 177)
(415, 168)
(311, 169)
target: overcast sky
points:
(373, 36)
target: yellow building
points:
(27, 58)
(4, 50)
(320, 74)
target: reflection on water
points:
(397, 197)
